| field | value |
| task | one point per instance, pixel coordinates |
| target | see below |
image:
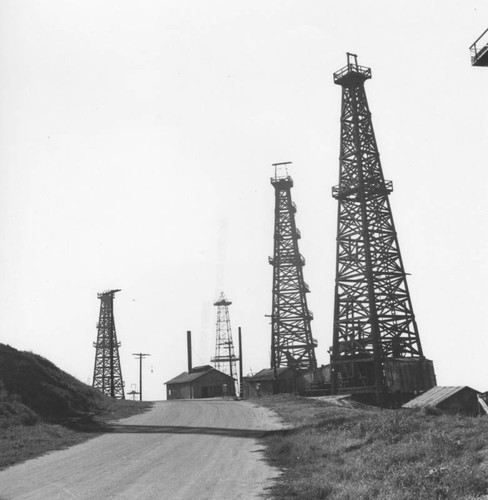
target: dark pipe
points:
(188, 345)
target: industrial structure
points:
(225, 358)
(454, 399)
(292, 343)
(107, 374)
(479, 50)
(284, 379)
(376, 345)
(200, 382)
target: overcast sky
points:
(136, 143)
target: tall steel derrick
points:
(107, 374)
(375, 333)
(225, 359)
(292, 343)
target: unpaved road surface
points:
(194, 449)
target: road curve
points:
(186, 449)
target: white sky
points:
(136, 143)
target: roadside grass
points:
(43, 408)
(25, 435)
(340, 452)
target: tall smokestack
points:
(188, 346)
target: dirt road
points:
(194, 449)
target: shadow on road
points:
(176, 429)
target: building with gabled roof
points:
(201, 382)
(288, 380)
(455, 399)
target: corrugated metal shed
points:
(462, 399)
(434, 396)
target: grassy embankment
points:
(43, 408)
(356, 452)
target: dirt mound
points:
(44, 388)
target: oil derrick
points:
(376, 345)
(225, 359)
(292, 343)
(107, 375)
(479, 50)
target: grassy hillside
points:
(44, 388)
(341, 451)
(41, 407)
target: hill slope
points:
(44, 388)
(37, 400)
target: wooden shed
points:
(289, 380)
(455, 399)
(202, 382)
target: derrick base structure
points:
(403, 379)
(376, 349)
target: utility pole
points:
(141, 356)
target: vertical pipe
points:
(241, 387)
(188, 346)
(140, 377)
(111, 344)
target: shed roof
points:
(436, 395)
(197, 372)
(268, 373)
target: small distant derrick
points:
(107, 374)
(479, 50)
(291, 335)
(225, 359)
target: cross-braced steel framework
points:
(225, 359)
(107, 374)
(292, 343)
(373, 315)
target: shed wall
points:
(464, 401)
(212, 384)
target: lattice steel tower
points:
(225, 359)
(292, 343)
(107, 374)
(375, 333)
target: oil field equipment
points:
(107, 375)
(225, 358)
(479, 50)
(376, 345)
(292, 343)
